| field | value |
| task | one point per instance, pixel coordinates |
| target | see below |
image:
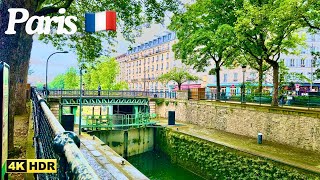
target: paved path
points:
(106, 162)
(277, 152)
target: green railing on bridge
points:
(117, 121)
(109, 93)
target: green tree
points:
(57, 82)
(205, 33)
(308, 12)
(16, 49)
(104, 73)
(269, 29)
(178, 75)
(71, 79)
(316, 64)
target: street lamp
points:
(81, 93)
(47, 70)
(312, 62)
(243, 85)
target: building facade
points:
(142, 64)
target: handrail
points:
(66, 144)
(54, 123)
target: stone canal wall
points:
(299, 128)
(128, 143)
(214, 161)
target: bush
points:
(158, 101)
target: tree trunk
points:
(275, 67)
(15, 50)
(217, 70)
(260, 72)
(179, 86)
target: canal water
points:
(157, 166)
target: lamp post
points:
(47, 70)
(80, 103)
(312, 61)
(243, 85)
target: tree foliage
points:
(69, 80)
(178, 75)
(206, 34)
(131, 16)
(104, 73)
(268, 29)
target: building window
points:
(303, 63)
(225, 77)
(152, 68)
(162, 57)
(167, 55)
(235, 76)
(152, 59)
(292, 62)
(167, 65)
(157, 57)
(312, 48)
(162, 66)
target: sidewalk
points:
(277, 152)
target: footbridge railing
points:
(110, 93)
(51, 141)
(94, 122)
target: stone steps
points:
(152, 106)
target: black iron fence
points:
(311, 101)
(51, 141)
(110, 93)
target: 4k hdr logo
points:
(43, 23)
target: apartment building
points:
(142, 64)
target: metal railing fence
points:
(309, 101)
(110, 93)
(51, 141)
(124, 121)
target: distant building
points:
(142, 64)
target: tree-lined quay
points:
(212, 35)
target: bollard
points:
(259, 138)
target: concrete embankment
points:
(294, 127)
(213, 159)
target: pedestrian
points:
(99, 90)
(281, 99)
(44, 90)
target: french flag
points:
(101, 21)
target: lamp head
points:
(244, 68)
